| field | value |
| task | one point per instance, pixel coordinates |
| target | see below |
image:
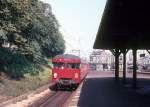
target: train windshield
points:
(73, 65)
(58, 64)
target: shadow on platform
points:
(107, 92)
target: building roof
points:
(125, 24)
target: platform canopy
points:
(125, 24)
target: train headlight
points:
(55, 75)
(76, 75)
(62, 68)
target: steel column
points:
(134, 68)
(124, 67)
(124, 51)
(117, 64)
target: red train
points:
(68, 71)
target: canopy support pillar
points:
(134, 85)
(148, 51)
(124, 51)
(116, 53)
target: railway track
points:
(57, 100)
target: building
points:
(101, 60)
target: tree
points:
(31, 26)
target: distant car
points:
(92, 66)
(130, 68)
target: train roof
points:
(67, 58)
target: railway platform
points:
(100, 89)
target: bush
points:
(16, 64)
(15, 88)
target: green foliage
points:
(2, 36)
(29, 83)
(31, 27)
(27, 22)
(16, 64)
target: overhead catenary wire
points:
(69, 37)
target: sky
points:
(79, 20)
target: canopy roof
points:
(125, 24)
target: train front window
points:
(58, 64)
(73, 65)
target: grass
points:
(28, 83)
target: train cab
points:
(66, 70)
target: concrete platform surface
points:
(100, 89)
